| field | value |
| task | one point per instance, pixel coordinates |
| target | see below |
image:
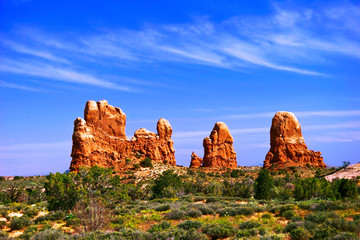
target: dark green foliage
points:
(146, 163)
(219, 230)
(29, 232)
(234, 211)
(163, 208)
(50, 234)
(167, 181)
(159, 227)
(31, 212)
(18, 223)
(176, 214)
(2, 178)
(194, 213)
(249, 224)
(300, 234)
(2, 224)
(61, 191)
(205, 210)
(187, 225)
(320, 217)
(346, 188)
(263, 185)
(312, 188)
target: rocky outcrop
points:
(100, 139)
(218, 149)
(287, 145)
(350, 172)
(196, 161)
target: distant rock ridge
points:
(100, 139)
(350, 172)
(287, 145)
(218, 149)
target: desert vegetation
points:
(180, 203)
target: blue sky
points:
(191, 62)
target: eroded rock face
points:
(218, 148)
(287, 145)
(101, 140)
(196, 161)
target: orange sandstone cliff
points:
(287, 145)
(100, 139)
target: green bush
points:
(176, 214)
(50, 234)
(159, 227)
(289, 214)
(219, 230)
(18, 223)
(3, 235)
(52, 216)
(300, 234)
(264, 185)
(205, 210)
(194, 213)
(189, 224)
(163, 208)
(249, 224)
(146, 163)
(29, 232)
(2, 224)
(31, 212)
(168, 180)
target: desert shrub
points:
(146, 163)
(235, 211)
(18, 223)
(331, 205)
(159, 227)
(52, 216)
(312, 188)
(29, 232)
(218, 230)
(344, 225)
(292, 225)
(249, 224)
(345, 236)
(266, 216)
(31, 212)
(205, 210)
(189, 224)
(93, 214)
(320, 217)
(165, 182)
(324, 232)
(345, 188)
(49, 234)
(194, 213)
(2, 224)
(163, 208)
(176, 214)
(61, 191)
(300, 233)
(289, 214)
(3, 235)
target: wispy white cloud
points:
(36, 146)
(338, 125)
(37, 53)
(337, 113)
(56, 73)
(18, 86)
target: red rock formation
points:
(100, 139)
(196, 161)
(287, 145)
(218, 148)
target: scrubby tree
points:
(264, 185)
(167, 183)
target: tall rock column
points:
(218, 148)
(287, 145)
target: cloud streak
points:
(57, 73)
